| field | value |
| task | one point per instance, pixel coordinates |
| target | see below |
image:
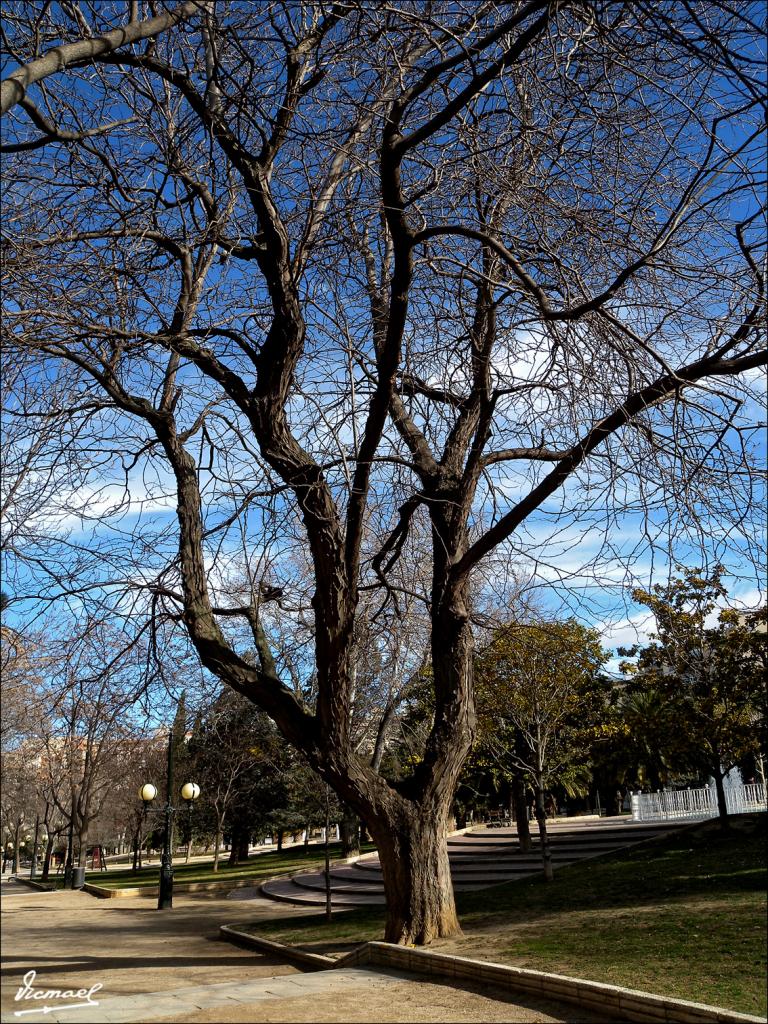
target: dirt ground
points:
(410, 1001)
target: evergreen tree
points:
(711, 678)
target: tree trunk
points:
(235, 846)
(546, 853)
(327, 857)
(280, 837)
(82, 848)
(47, 861)
(414, 861)
(521, 813)
(409, 826)
(240, 843)
(136, 846)
(217, 850)
(16, 853)
(350, 835)
(722, 806)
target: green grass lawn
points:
(258, 867)
(684, 916)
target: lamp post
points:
(33, 864)
(165, 897)
(70, 862)
(189, 791)
(147, 793)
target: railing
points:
(670, 805)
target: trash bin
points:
(78, 878)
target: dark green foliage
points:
(540, 705)
(239, 760)
(696, 697)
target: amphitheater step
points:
(479, 859)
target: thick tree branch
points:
(660, 390)
(14, 88)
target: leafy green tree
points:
(238, 757)
(651, 744)
(538, 701)
(712, 677)
(308, 798)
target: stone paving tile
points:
(191, 998)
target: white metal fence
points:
(696, 803)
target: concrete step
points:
(556, 832)
(478, 878)
(287, 892)
(316, 880)
(478, 859)
(458, 852)
(496, 865)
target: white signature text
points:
(28, 991)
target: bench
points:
(498, 818)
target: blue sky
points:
(573, 530)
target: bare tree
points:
(349, 270)
(17, 804)
(87, 730)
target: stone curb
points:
(278, 949)
(105, 893)
(619, 1004)
(39, 886)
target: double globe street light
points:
(189, 792)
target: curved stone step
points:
(285, 891)
(350, 873)
(557, 832)
(316, 880)
(561, 840)
(478, 878)
(496, 865)
(478, 860)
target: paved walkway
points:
(170, 966)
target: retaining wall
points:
(615, 1002)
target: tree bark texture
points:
(417, 876)
(541, 820)
(47, 860)
(722, 806)
(240, 843)
(521, 813)
(350, 835)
